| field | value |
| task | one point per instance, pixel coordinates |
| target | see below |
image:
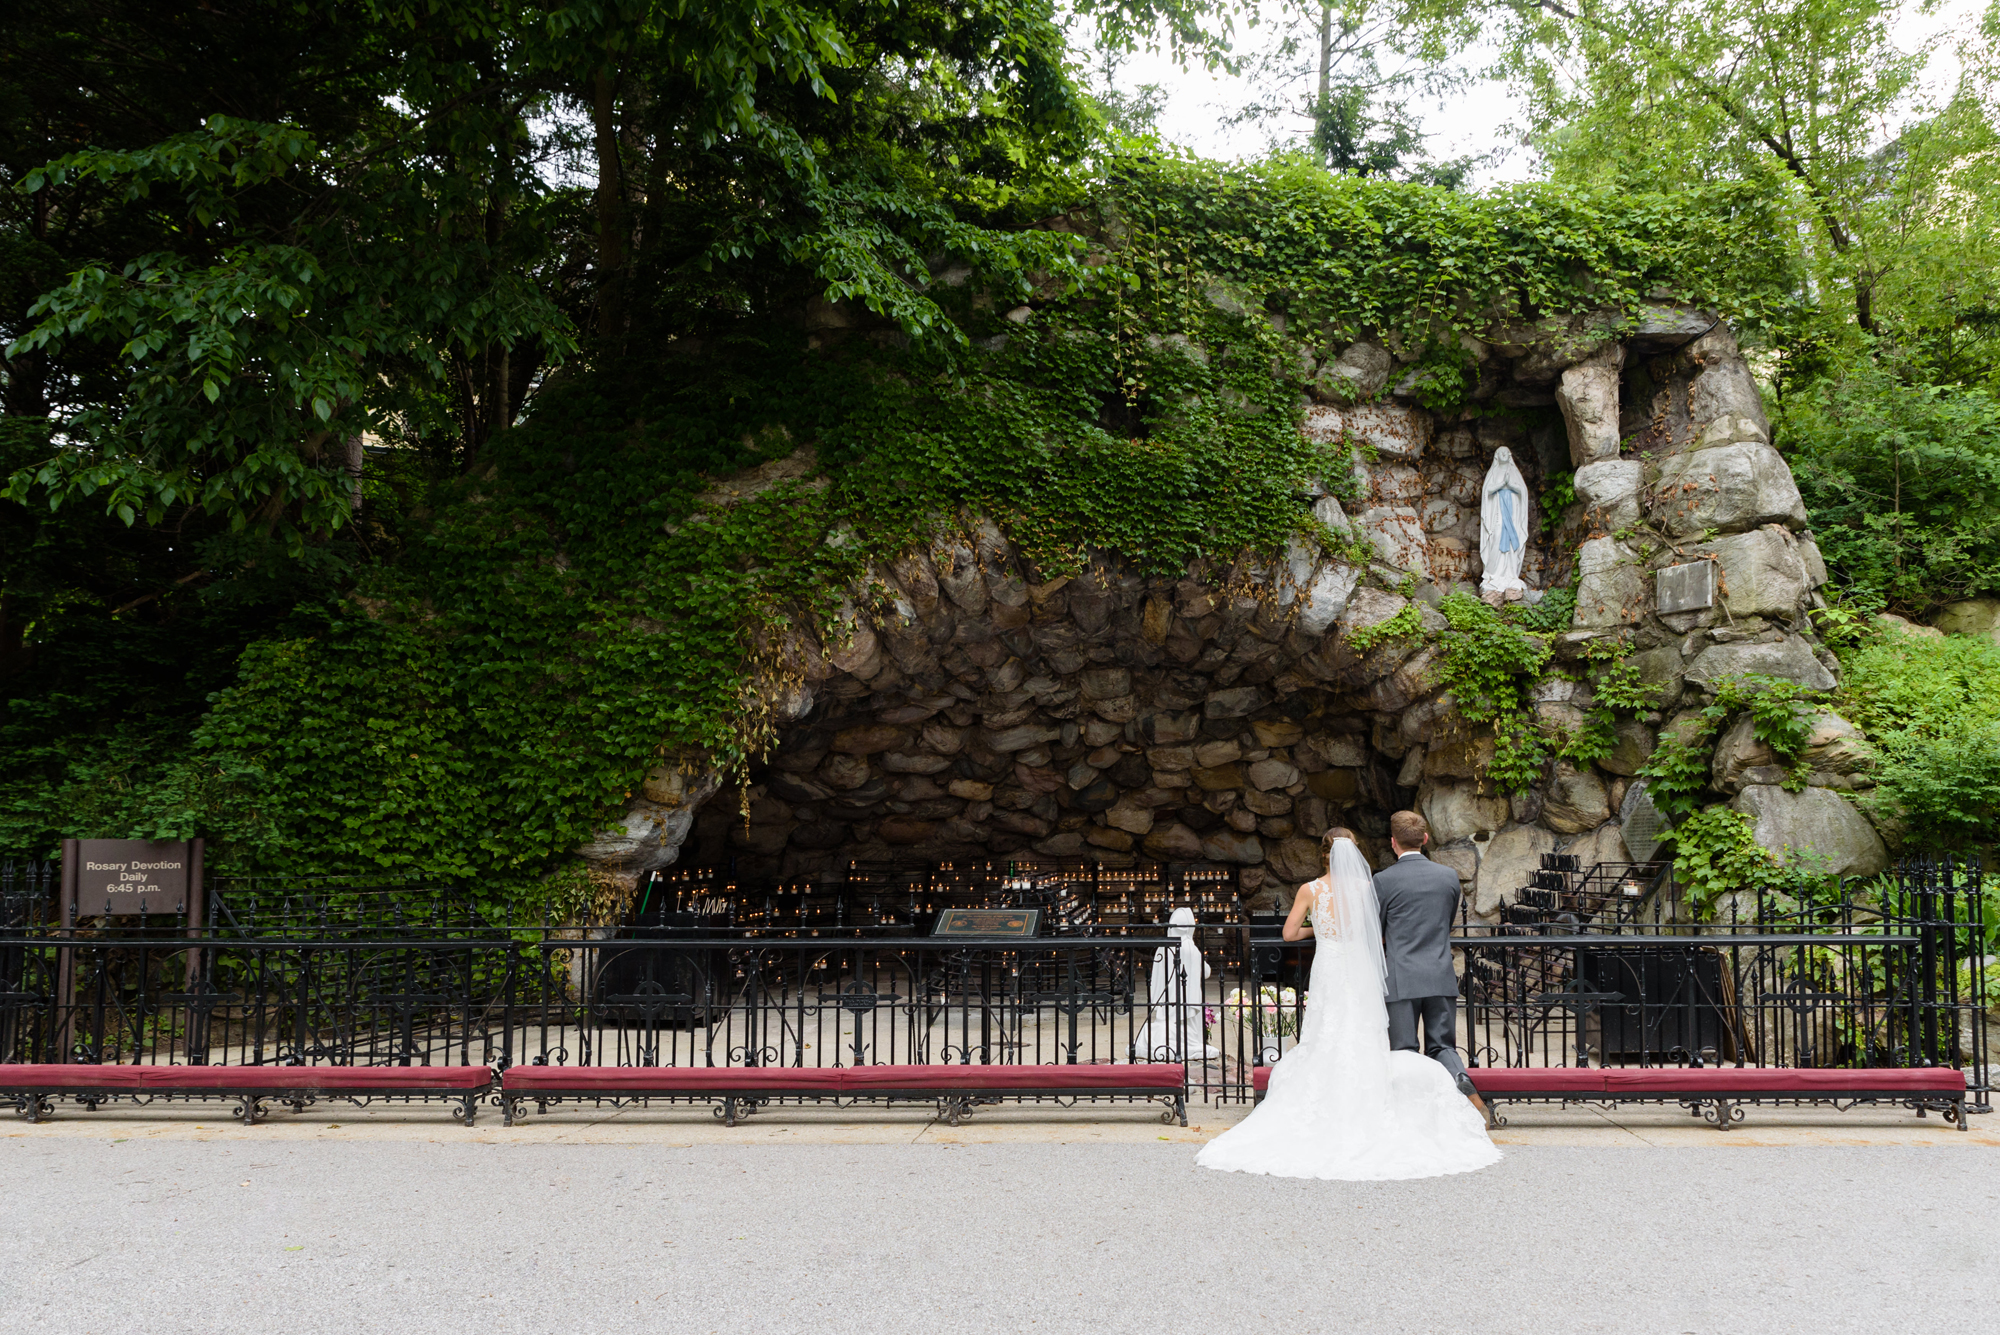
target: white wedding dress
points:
(1341, 1104)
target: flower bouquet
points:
(1280, 1008)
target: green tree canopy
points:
(1816, 101)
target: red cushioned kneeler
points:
(1576, 1081)
(1779, 1081)
(547, 1083)
(1141, 1075)
(1505, 1079)
(295, 1084)
(669, 1079)
(49, 1076)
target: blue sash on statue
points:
(1510, 536)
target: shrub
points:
(1903, 483)
(1931, 707)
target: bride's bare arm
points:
(1296, 926)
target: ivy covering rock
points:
(1176, 559)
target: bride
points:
(1341, 1104)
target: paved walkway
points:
(409, 1223)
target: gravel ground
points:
(173, 1235)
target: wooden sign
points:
(103, 876)
(988, 922)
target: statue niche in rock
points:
(1503, 524)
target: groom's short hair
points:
(1409, 829)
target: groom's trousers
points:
(1440, 1017)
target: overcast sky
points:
(1472, 123)
(1475, 122)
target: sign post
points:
(64, 1015)
(197, 910)
(106, 877)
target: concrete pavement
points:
(413, 1224)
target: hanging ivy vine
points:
(586, 609)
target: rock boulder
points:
(1458, 811)
(1725, 388)
(1740, 759)
(1609, 490)
(1511, 857)
(1837, 746)
(1576, 800)
(1815, 828)
(1606, 843)
(1225, 845)
(1359, 372)
(1974, 616)
(1397, 534)
(1462, 857)
(1173, 843)
(1789, 658)
(1297, 860)
(1611, 588)
(1394, 430)
(1588, 397)
(1762, 573)
(1633, 749)
(1729, 489)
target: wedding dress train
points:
(1340, 1103)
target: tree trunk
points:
(353, 460)
(1325, 80)
(494, 402)
(495, 408)
(613, 234)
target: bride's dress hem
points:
(1416, 1126)
(1353, 1177)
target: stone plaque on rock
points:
(1641, 823)
(1686, 588)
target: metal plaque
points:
(117, 875)
(1688, 588)
(988, 922)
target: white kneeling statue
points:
(1503, 524)
(1176, 984)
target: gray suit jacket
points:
(1419, 899)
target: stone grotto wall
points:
(972, 708)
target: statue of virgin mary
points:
(1173, 1031)
(1503, 524)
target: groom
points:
(1419, 899)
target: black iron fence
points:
(265, 972)
(727, 1001)
(1587, 966)
(1595, 968)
